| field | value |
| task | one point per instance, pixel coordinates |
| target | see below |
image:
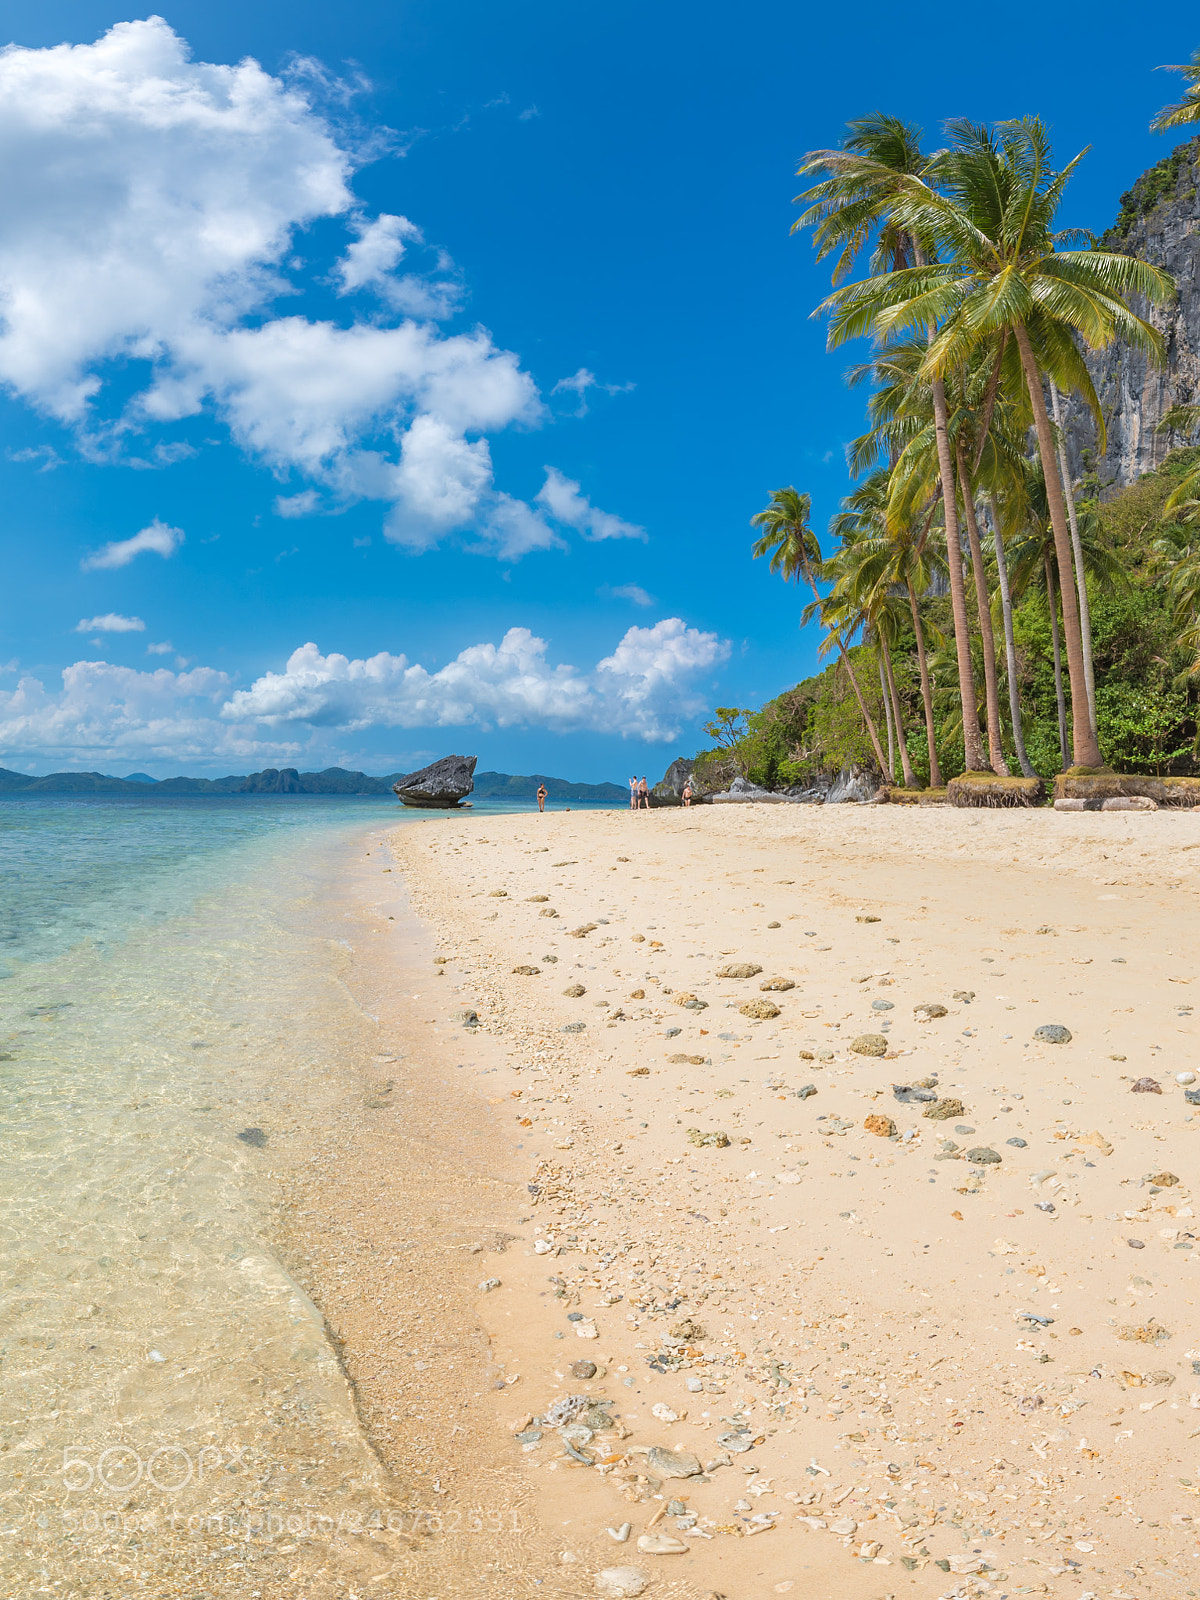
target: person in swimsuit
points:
(633, 794)
(644, 794)
(687, 793)
(541, 797)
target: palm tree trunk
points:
(1010, 649)
(1058, 683)
(1085, 610)
(887, 713)
(935, 774)
(983, 606)
(972, 745)
(910, 777)
(850, 673)
(1085, 746)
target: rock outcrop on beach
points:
(1159, 222)
(444, 784)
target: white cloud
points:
(162, 649)
(149, 222)
(580, 382)
(561, 497)
(303, 504)
(158, 537)
(627, 591)
(111, 622)
(644, 688)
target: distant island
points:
(287, 780)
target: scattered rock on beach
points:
(660, 1544)
(527, 972)
(583, 1369)
(868, 1044)
(740, 969)
(574, 990)
(537, 899)
(943, 1110)
(497, 894)
(673, 1463)
(573, 1027)
(777, 984)
(866, 919)
(965, 995)
(882, 1005)
(1052, 1033)
(883, 1126)
(1146, 1086)
(1162, 1180)
(714, 1137)
(622, 1583)
(468, 1018)
(982, 1156)
(929, 1011)
(760, 1010)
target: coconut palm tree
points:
(863, 186)
(787, 538)
(894, 556)
(1187, 109)
(990, 202)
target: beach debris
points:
(806, 1092)
(542, 1247)
(497, 894)
(621, 1583)
(688, 1061)
(965, 995)
(844, 1526)
(526, 972)
(983, 1156)
(574, 990)
(468, 1017)
(737, 1440)
(573, 1027)
(566, 1410)
(929, 1011)
(254, 1137)
(740, 969)
(637, 1072)
(779, 985)
(713, 1137)
(660, 1544)
(619, 1535)
(1151, 1332)
(584, 929)
(537, 899)
(1052, 1033)
(673, 1463)
(1018, 1143)
(883, 1126)
(547, 911)
(1136, 1244)
(1146, 1086)
(1045, 1205)
(637, 938)
(1162, 1180)
(882, 1005)
(760, 1010)
(867, 1044)
(943, 1110)
(774, 924)
(488, 1285)
(1097, 1141)
(909, 1094)
(585, 1328)
(583, 1369)
(866, 918)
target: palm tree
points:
(1186, 110)
(1085, 613)
(990, 202)
(892, 557)
(787, 538)
(865, 182)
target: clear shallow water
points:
(174, 975)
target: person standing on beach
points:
(643, 794)
(687, 793)
(633, 794)
(541, 797)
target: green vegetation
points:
(1157, 183)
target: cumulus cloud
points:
(111, 622)
(562, 499)
(644, 688)
(164, 648)
(158, 537)
(149, 225)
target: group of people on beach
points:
(639, 794)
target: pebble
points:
(583, 1369)
(1135, 1244)
(869, 1044)
(739, 969)
(660, 1544)
(778, 984)
(774, 924)
(983, 1156)
(573, 1027)
(965, 995)
(620, 1534)
(943, 1110)
(927, 1013)
(1185, 1077)
(715, 1138)
(1164, 1180)
(883, 1126)
(673, 1463)
(621, 1582)
(527, 972)
(574, 990)
(1017, 1144)
(882, 1005)
(1052, 1033)
(962, 1128)
(760, 1010)
(808, 1090)
(488, 1285)
(1146, 1086)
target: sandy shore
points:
(900, 1371)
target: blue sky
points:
(437, 356)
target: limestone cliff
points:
(1160, 222)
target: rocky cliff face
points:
(1160, 222)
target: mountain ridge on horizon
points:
(288, 780)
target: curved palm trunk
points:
(991, 683)
(910, 777)
(887, 713)
(1085, 611)
(972, 745)
(1010, 650)
(1052, 602)
(850, 673)
(1085, 746)
(935, 772)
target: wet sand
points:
(891, 1362)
